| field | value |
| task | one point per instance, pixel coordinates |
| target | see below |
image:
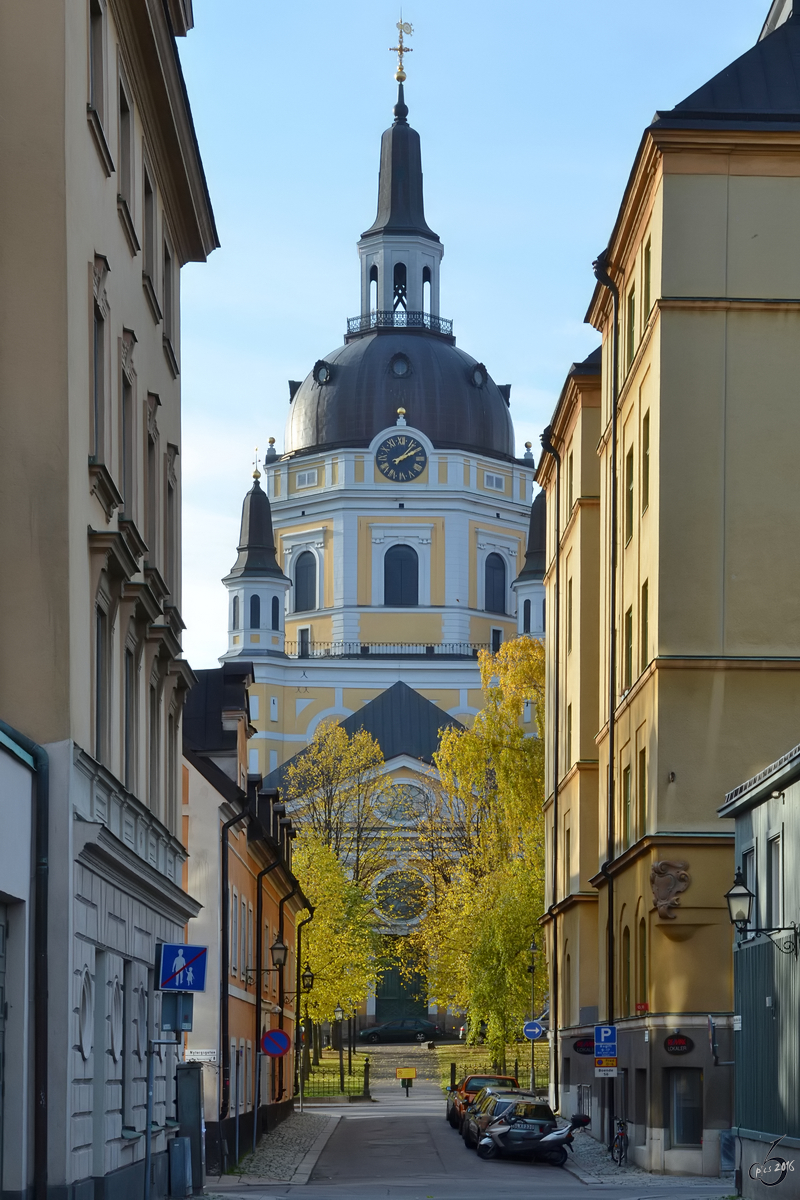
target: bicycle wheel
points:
(616, 1150)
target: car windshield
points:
(481, 1081)
(533, 1112)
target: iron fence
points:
(400, 319)
(519, 1066)
(325, 1081)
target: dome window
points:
(400, 292)
(322, 372)
(479, 375)
(400, 366)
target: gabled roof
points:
(760, 90)
(402, 722)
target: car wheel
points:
(421, 1037)
(487, 1151)
(373, 1038)
(452, 1119)
(557, 1157)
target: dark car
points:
(409, 1030)
(538, 1117)
(459, 1098)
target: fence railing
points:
(326, 1081)
(309, 649)
(400, 319)
(519, 1066)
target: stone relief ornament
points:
(668, 880)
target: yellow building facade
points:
(706, 689)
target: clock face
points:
(401, 458)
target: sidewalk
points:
(592, 1164)
(287, 1155)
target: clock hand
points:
(407, 454)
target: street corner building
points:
(102, 201)
(239, 840)
(394, 537)
(670, 475)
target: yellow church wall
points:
(306, 464)
(466, 472)
(335, 471)
(507, 492)
(321, 627)
(442, 470)
(392, 626)
(480, 629)
(358, 468)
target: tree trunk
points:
(316, 1038)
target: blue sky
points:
(530, 115)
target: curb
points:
(583, 1176)
(307, 1164)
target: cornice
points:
(652, 841)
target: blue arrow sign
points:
(605, 1041)
(533, 1030)
(181, 968)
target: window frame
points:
(646, 461)
(400, 596)
(644, 626)
(499, 558)
(627, 663)
(629, 495)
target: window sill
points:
(170, 357)
(132, 1134)
(103, 486)
(152, 298)
(98, 133)
(126, 221)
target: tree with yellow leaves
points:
(482, 846)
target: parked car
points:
(409, 1030)
(463, 1032)
(460, 1097)
(539, 1118)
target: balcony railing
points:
(307, 649)
(400, 319)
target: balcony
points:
(399, 319)
(308, 649)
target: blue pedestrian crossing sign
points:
(533, 1030)
(181, 968)
(605, 1041)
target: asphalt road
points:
(403, 1149)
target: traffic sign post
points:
(533, 1030)
(406, 1075)
(180, 968)
(605, 1051)
(275, 1043)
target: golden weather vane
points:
(406, 28)
(256, 472)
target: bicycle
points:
(619, 1146)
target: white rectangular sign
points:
(209, 1056)
(605, 1072)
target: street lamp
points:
(307, 978)
(338, 1015)
(740, 908)
(279, 951)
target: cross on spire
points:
(404, 27)
(256, 472)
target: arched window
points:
(276, 613)
(426, 289)
(495, 578)
(566, 1003)
(400, 298)
(305, 583)
(626, 972)
(401, 577)
(642, 989)
(526, 617)
(255, 612)
(235, 612)
(373, 288)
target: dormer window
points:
(322, 372)
(479, 375)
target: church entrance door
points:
(398, 998)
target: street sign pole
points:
(148, 1129)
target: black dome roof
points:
(363, 395)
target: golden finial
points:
(271, 441)
(256, 472)
(401, 416)
(406, 28)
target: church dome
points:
(355, 392)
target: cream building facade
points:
(102, 200)
(706, 689)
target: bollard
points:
(366, 1079)
(452, 1075)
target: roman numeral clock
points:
(401, 458)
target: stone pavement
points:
(286, 1155)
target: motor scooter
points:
(519, 1138)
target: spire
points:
(537, 535)
(256, 539)
(400, 203)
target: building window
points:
(627, 813)
(151, 495)
(686, 1106)
(631, 323)
(497, 640)
(495, 584)
(646, 461)
(303, 642)
(172, 773)
(629, 496)
(568, 746)
(306, 479)
(373, 288)
(101, 691)
(775, 872)
(567, 860)
(155, 748)
(129, 731)
(127, 425)
(98, 385)
(171, 550)
(249, 939)
(628, 662)
(569, 616)
(400, 297)
(426, 289)
(647, 272)
(243, 941)
(401, 577)
(255, 612)
(149, 248)
(526, 711)
(642, 986)
(305, 583)
(567, 1011)
(751, 882)
(526, 616)
(570, 483)
(273, 708)
(235, 617)
(641, 794)
(235, 934)
(97, 58)
(626, 972)
(125, 148)
(645, 652)
(495, 483)
(167, 294)
(276, 613)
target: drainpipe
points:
(549, 448)
(299, 934)
(281, 986)
(224, 1024)
(260, 943)
(41, 836)
(601, 265)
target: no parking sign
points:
(276, 1043)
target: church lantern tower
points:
(256, 585)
